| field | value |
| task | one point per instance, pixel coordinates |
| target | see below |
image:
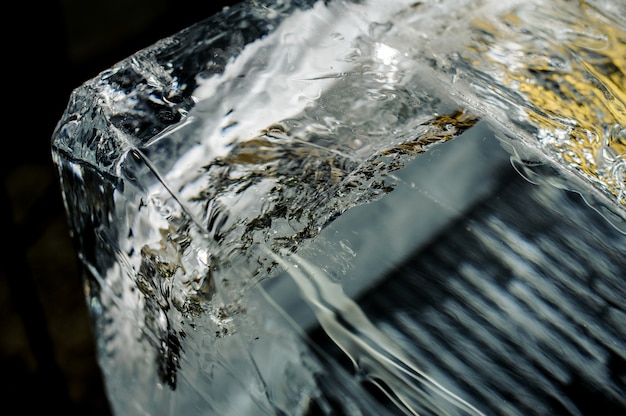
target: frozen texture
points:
(301, 207)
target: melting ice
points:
(302, 207)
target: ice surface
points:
(301, 207)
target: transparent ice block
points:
(358, 207)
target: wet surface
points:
(46, 345)
(174, 235)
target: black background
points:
(49, 48)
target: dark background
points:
(49, 48)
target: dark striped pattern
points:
(518, 307)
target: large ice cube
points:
(301, 207)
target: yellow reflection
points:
(569, 66)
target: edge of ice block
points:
(434, 190)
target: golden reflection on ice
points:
(571, 74)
